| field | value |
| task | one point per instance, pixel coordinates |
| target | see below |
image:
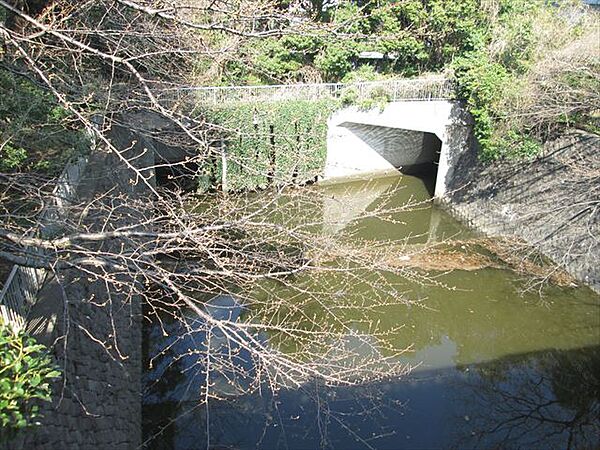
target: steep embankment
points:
(552, 202)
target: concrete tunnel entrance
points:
(366, 150)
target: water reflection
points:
(407, 197)
(494, 369)
(541, 400)
(177, 356)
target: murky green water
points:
(494, 367)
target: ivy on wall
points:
(271, 143)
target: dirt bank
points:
(552, 201)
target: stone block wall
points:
(97, 338)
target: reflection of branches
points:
(178, 370)
(128, 241)
(551, 399)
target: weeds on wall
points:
(270, 143)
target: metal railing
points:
(418, 89)
(23, 284)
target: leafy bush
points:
(514, 91)
(379, 97)
(364, 72)
(336, 60)
(417, 35)
(480, 83)
(275, 60)
(11, 158)
(349, 96)
(26, 371)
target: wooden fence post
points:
(224, 186)
(272, 156)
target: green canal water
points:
(494, 366)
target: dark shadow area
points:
(545, 399)
(551, 200)
(406, 150)
(5, 269)
(509, 173)
(181, 176)
(175, 160)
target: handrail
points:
(417, 89)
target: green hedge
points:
(271, 143)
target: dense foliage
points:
(414, 35)
(272, 142)
(35, 132)
(498, 51)
(502, 54)
(524, 53)
(26, 371)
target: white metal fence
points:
(23, 284)
(418, 89)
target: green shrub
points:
(364, 72)
(12, 158)
(379, 98)
(349, 96)
(275, 60)
(506, 78)
(336, 59)
(35, 132)
(480, 83)
(26, 370)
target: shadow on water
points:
(537, 399)
(547, 399)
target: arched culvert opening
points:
(176, 168)
(358, 149)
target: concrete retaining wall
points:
(550, 202)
